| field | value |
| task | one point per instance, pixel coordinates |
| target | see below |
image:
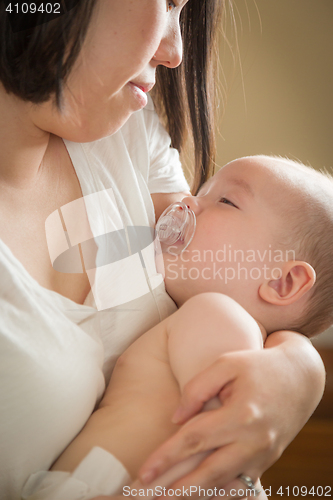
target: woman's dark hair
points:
(35, 62)
(187, 93)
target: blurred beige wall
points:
(279, 94)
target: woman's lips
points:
(139, 94)
(140, 90)
(145, 87)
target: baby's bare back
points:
(134, 416)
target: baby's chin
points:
(169, 260)
(176, 287)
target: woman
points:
(69, 91)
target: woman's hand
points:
(267, 397)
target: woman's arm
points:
(267, 397)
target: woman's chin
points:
(93, 131)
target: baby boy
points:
(259, 261)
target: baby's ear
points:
(296, 278)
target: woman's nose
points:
(170, 50)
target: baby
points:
(259, 261)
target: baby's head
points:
(264, 237)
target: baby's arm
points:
(204, 328)
(207, 326)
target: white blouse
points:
(56, 355)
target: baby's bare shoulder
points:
(210, 312)
(206, 327)
(209, 307)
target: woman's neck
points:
(23, 144)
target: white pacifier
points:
(175, 228)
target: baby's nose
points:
(192, 203)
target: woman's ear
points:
(296, 278)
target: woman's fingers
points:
(215, 472)
(238, 420)
(243, 434)
(237, 489)
(194, 437)
(213, 381)
(229, 457)
(234, 490)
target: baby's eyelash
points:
(227, 202)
